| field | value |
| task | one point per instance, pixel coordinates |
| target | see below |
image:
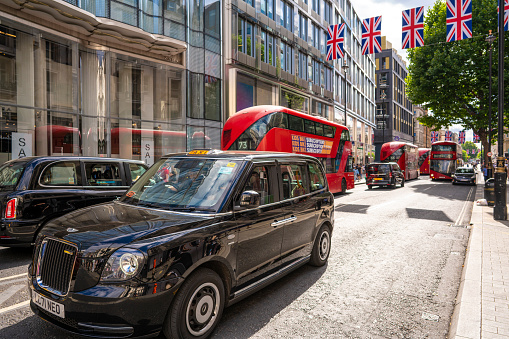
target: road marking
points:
(14, 307)
(14, 276)
(463, 210)
(12, 290)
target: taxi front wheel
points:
(197, 307)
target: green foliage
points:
(469, 145)
(465, 155)
(452, 78)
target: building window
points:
(316, 37)
(267, 48)
(246, 37)
(328, 12)
(316, 6)
(286, 58)
(303, 27)
(323, 42)
(286, 19)
(303, 60)
(316, 72)
(267, 8)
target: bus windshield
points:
(394, 157)
(442, 148)
(442, 166)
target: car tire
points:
(202, 291)
(321, 247)
(402, 182)
(370, 187)
(343, 186)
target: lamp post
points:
(345, 68)
(489, 39)
(383, 96)
(500, 209)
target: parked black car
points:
(384, 174)
(170, 255)
(464, 175)
(35, 190)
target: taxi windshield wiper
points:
(190, 209)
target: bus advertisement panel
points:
(280, 129)
(424, 159)
(405, 154)
(446, 156)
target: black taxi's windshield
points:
(184, 184)
(10, 174)
(378, 169)
(465, 171)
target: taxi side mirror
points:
(249, 199)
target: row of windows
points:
(251, 138)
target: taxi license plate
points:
(378, 178)
(48, 305)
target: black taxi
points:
(384, 174)
(34, 190)
(173, 252)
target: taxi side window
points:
(136, 171)
(103, 174)
(60, 174)
(295, 180)
(259, 181)
(316, 177)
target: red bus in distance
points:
(280, 129)
(424, 154)
(405, 154)
(445, 156)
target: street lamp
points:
(383, 96)
(345, 68)
(489, 39)
(500, 209)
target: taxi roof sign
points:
(199, 151)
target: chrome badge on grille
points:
(72, 230)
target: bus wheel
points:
(402, 182)
(343, 186)
(370, 187)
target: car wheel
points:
(197, 307)
(370, 187)
(343, 186)
(402, 182)
(321, 247)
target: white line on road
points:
(460, 217)
(14, 307)
(12, 290)
(14, 276)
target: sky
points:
(391, 25)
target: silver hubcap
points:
(202, 309)
(324, 245)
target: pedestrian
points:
(485, 173)
(356, 172)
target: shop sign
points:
(148, 152)
(21, 145)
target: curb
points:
(466, 318)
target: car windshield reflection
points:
(184, 184)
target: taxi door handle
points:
(284, 221)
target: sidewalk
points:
(482, 304)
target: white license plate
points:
(48, 305)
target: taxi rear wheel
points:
(197, 307)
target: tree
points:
(452, 78)
(468, 146)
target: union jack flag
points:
(413, 27)
(461, 137)
(372, 35)
(335, 41)
(434, 136)
(477, 138)
(448, 135)
(506, 14)
(459, 20)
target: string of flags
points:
(461, 137)
(458, 27)
(448, 136)
(435, 136)
(476, 138)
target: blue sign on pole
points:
(396, 138)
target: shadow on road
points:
(14, 257)
(445, 190)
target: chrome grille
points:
(55, 265)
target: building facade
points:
(277, 56)
(422, 135)
(139, 79)
(395, 120)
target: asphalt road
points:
(393, 272)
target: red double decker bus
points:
(446, 156)
(280, 129)
(424, 154)
(405, 154)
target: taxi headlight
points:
(123, 264)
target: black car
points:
(35, 190)
(384, 174)
(171, 254)
(464, 175)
